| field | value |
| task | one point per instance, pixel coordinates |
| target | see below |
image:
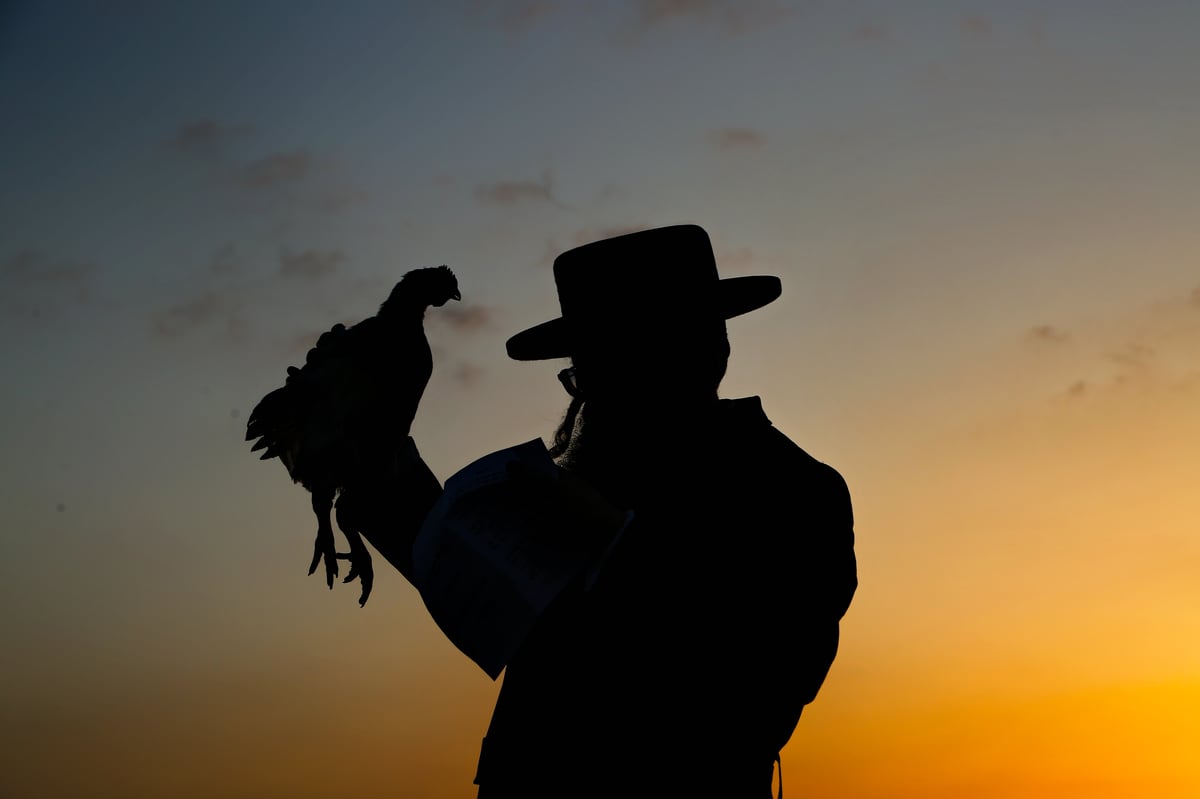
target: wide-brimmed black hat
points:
(633, 287)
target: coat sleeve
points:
(827, 575)
(796, 555)
(807, 582)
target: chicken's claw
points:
(360, 565)
(324, 547)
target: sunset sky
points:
(986, 218)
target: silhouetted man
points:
(683, 668)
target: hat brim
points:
(735, 296)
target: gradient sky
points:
(984, 215)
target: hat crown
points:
(638, 278)
(650, 284)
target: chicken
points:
(341, 419)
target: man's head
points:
(681, 365)
(641, 301)
(643, 319)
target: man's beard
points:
(596, 444)
(625, 455)
(612, 454)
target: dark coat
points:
(684, 670)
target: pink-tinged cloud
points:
(203, 137)
(1047, 334)
(977, 26)
(183, 317)
(730, 16)
(740, 260)
(1147, 353)
(586, 235)
(310, 263)
(335, 201)
(207, 141)
(32, 284)
(225, 261)
(872, 33)
(275, 169)
(738, 139)
(515, 192)
(296, 345)
(30, 268)
(513, 16)
(1036, 28)
(1133, 356)
(462, 318)
(656, 11)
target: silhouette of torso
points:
(685, 668)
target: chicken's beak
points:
(457, 296)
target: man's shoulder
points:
(753, 429)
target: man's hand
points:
(579, 514)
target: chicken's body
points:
(345, 416)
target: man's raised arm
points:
(388, 507)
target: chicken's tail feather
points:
(275, 423)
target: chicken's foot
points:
(323, 547)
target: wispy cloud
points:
(976, 26)
(872, 33)
(1077, 389)
(590, 234)
(729, 16)
(1133, 355)
(1144, 353)
(513, 16)
(30, 268)
(205, 137)
(295, 345)
(291, 189)
(205, 309)
(337, 200)
(310, 263)
(641, 17)
(653, 12)
(235, 296)
(207, 143)
(225, 261)
(276, 168)
(1047, 334)
(1036, 29)
(586, 235)
(33, 284)
(514, 192)
(463, 318)
(740, 260)
(738, 139)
